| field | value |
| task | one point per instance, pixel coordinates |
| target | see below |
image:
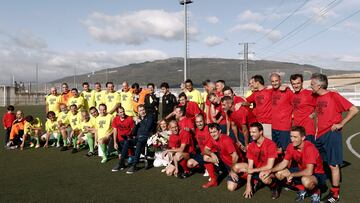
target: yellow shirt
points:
(204, 96)
(51, 126)
(63, 117)
(79, 102)
(99, 98)
(111, 99)
(104, 125)
(28, 127)
(86, 124)
(74, 120)
(89, 98)
(126, 100)
(53, 103)
(194, 96)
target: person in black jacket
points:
(168, 101)
(142, 131)
(151, 103)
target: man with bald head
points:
(52, 101)
(126, 97)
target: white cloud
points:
(137, 27)
(256, 28)
(251, 16)
(54, 65)
(28, 40)
(213, 41)
(349, 58)
(212, 19)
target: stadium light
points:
(185, 3)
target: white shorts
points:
(53, 136)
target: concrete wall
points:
(8, 96)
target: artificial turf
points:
(48, 175)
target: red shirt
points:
(174, 141)
(203, 137)
(225, 147)
(261, 154)
(186, 123)
(281, 109)
(8, 119)
(303, 106)
(123, 127)
(186, 138)
(329, 108)
(238, 99)
(218, 108)
(308, 155)
(239, 117)
(192, 109)
(262, 100)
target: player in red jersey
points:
(303, 107)
(281, 112)
(202, 136)
(261, 154)
(185, 123)
(216, 114)
(8, 119)
(227, 153)
(122, 131)
(192, 109)
(261, 98)
(219, 86)
(186, 149)
(329, 109)
(237, 121)
(309, 174)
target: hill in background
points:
(199, 69)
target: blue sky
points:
(91, 35)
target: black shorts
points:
(198, 158)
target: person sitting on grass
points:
(87, 126)
(104, 131)
(174, 143)
(52, 130)
(309, 175)
(183, 153)
(32, 130)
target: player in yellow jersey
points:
(52, 101)
(126, 99)
(192, 94)
(76, 99)
(111, 98)
(52, 130)
(32, 129)
(74, 118)
(99, 95)
(87, 126)
(104, 130)
(89, 96)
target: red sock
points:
(211, 170)
(300, 187)
(130, 152)
(335, 190)
(183, 164)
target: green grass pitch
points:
(48, 175)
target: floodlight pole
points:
(184, 3)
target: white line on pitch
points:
(348, 143)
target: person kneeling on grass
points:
(64, 125)
(32, 129)
(261, 154)
(87, 131)
(227, 151)
(74, 118)
(174, 143)
(309, 175)
(52, 130)
(104, 130)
